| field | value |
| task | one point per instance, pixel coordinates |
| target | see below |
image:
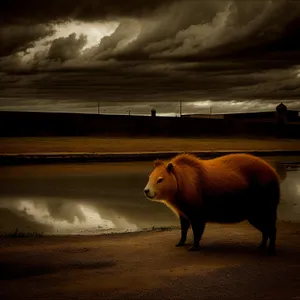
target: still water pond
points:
(99, 198)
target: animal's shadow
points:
(235, 249)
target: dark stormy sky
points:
(65, 55)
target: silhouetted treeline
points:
(72, 124)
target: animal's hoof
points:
(180, 244)
(193, 248)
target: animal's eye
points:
(160, 180)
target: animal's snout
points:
(149, 193)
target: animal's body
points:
(228, 189)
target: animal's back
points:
(238, 186)
(252, 167)
(241, 170)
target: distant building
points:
(281, 108)
(282, 113)
(153, 112)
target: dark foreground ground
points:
(147, 266)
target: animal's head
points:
(162, 184)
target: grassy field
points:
(107, 145)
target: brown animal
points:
(227, 189)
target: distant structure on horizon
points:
(153, 112)
(280, 122)
(281, 114)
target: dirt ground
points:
(108, 145)
(148, 266)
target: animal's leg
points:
(185, 225)
(264, 241)
(198, 226)
(269, 231)
(272, 245)
(272, 232)
(270, 216)
(259, 226)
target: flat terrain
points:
(117, 145)
(147, 266)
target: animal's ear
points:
(157, 163)
(169, 167)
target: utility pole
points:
(98, 107)
(180, 107)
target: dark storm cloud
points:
(15, 38)
(181, 29)
(17, 11)
(155, 51)
(132, 82)
(240, 29)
